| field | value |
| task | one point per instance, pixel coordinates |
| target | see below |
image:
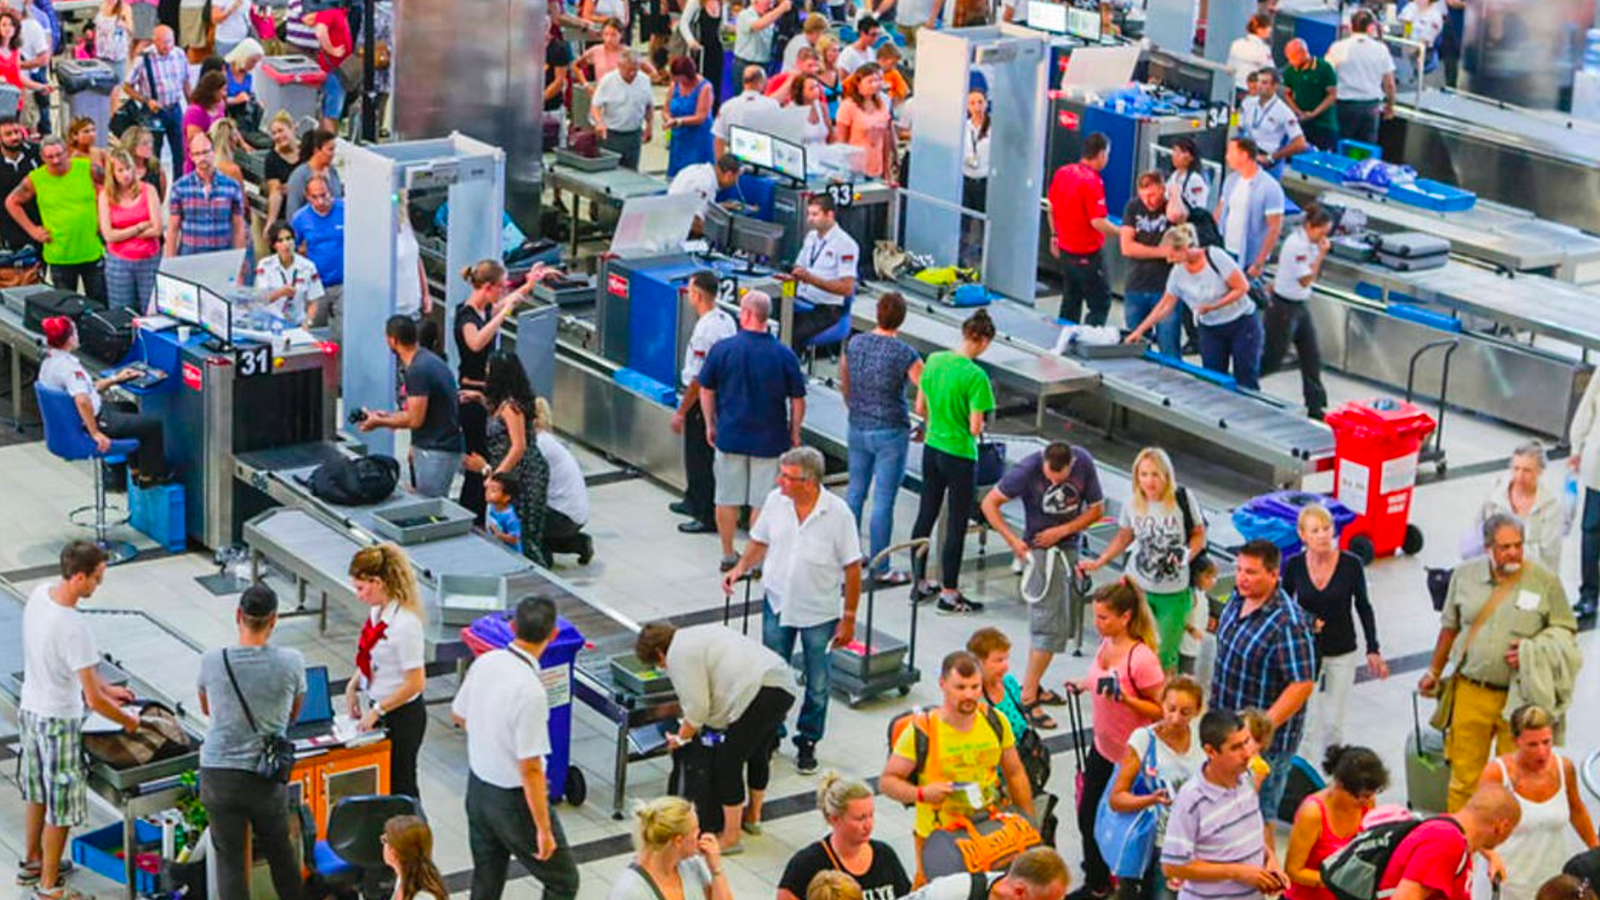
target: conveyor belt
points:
(1551, 133)
(1529, 303)
(1494, 233)
(1252, 424)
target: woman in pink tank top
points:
(130, 223)
(1328, 819)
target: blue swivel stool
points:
(833, 336)
(66, 437)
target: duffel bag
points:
(49, 304)
(107, 334)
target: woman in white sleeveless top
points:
(1545, 784)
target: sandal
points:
(891, 580)
(1038, 718)
(28, 873)
(1048, 697)
(61, 892)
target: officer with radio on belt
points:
(825, 272)
(1267, 118)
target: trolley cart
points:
(876, 663)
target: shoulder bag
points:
(134, 113)
(1445, 708)
(1127, 839)
(277, 751)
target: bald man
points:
(1311, 88)
(163, 87)
(1434, 861)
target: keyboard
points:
(147, 378)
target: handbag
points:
(1446, 695)
(132, 113)
(991, 465)
(1127, 840)
(277, 752)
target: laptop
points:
(316, 713)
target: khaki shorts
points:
(744, 480)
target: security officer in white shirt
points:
(505, 710)
(1366, 79)
(1288, 322)
(809, 548)
(61, 371)
(699, 456)
(706, 180)
(1266, 118)
(825, 271)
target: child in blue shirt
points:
(500, 493)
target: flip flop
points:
(1047, 697)
(1038, 718)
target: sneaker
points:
(680, 507)
(806, 760)
(960, 606)
(923, 593)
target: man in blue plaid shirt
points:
(1267, 659)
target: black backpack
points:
(355, 481)
(1354, 871)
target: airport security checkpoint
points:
(858, 449)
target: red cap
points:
(57, 331)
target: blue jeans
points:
(815, 666)
(333, 97)
(1238, 342)
(877, 457)
(1137, 305)
(1277, 780)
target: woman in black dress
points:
(700, 27)
(477, 334)
(513, 447)
(1331, 585)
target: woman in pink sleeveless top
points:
(130, 222)
(1328, 819)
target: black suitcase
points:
(106, 334)
(48, 304)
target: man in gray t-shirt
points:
(268, 684)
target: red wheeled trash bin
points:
(1376, 444)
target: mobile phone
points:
(1108, 686)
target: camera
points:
(358, 416)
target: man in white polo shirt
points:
(1366, 80)
(825, 272)
(811, 548)
(749, 106)
(1267, 118)
(503, 706)
(620, 110)
(706, 180)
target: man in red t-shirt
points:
(1079, 227)
(334, 45)
(1434, 861)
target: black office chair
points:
(351, 859)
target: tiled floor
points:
(646, 569)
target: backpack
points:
(919, 717)
(1353, 871)
(1205, 228)
(1188, 515)
(355, 481)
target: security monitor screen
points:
(789, 159)
(216, 316)
(177, 298)
(751, 147)
(1081, 23)
(1051, 17)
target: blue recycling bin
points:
(1275, 517)
(556, 664)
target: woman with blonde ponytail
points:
(673, 859)
(389, 659)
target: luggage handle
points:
(919, 548)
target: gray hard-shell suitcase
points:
(1427, 771)
(1412, 263)
(1411, 244)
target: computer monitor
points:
(1050, 17)
(177, 298)
(750, 147)
(318, 705)
(216, 318)
(789, 160)
(716, 223)
(1081, 23)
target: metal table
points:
(21, 344)
(1524, 303)
(613, 187)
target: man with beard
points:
(1503, 602)
(18, 157)
(973, 747)
(1060, 492)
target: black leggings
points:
(406, 726)
(122, 420)
(1097, 773)
(748, 743)
(475, 432)
(949, 480)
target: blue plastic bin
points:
(158, 513)
(640, 383)
(1321, 164)
(1423, 316)
(1358, 150)
(556, 666)
(1435, 196)
(1275, 517)
(97, 852)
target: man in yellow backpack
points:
(949, 761)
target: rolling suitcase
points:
(1427, 771)
(1411, 263)
(1412, 245)
(48, 304)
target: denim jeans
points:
(815, 665)
(1277, 780)
(1136, 305)
(434, 470)
(1238, 342)
(877, 457)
